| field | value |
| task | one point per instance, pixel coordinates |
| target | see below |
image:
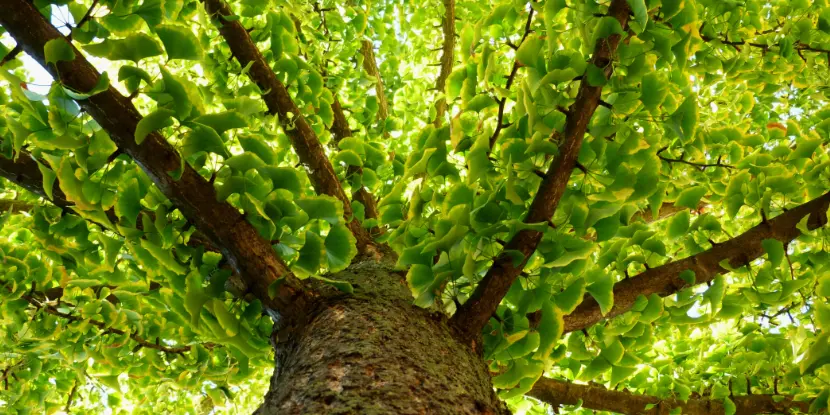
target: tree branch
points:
(666, 210)
(558, 392)
(699, 166)
(739, 251)
(11, 55)
(248, 253)
(474, 314)
(279, 102)
(340, 130)
(371, 67)
(447, 59)
(25, 173)
(85, 18)
(103, 327)
(510, 78)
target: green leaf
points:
(817, 356)
(528, 52)
(480, 102)
(133, 48)
(57, 50)
(607, 26)
(311, 255)
(102, 85)
(595, 76)
(128, 204)
(679, 224)
(571, 297)
(602, 289)
(640, 12)
(775, 251)
(283, 178)
(804, 149)
(244, 162)
(322, 207)
(729, 407)
(688, 276)
(174, 87)
(348, 157)
(158, 119)
(551, 328)
(340, 247)
(653, 90)
(222, 121)
(179, 42)
(690, 197)
(620, 373)
(684, 121)
(653, 309)
(203, 138)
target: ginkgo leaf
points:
(160, 118)
(602, 289)
(325, 208)
(222, 121)
(179, 42)
(133, 48)
(340, 247)
(690, 197)
(311, 255)
(529, 50)
(57, 50)
(203, 138)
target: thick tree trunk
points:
(373, 352)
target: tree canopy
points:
(621, 204)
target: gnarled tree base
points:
(375, 353)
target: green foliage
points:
(724, 124)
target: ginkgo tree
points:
(476, 207)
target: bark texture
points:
(557, 392)
(375, 353)
(447, 59)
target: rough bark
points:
(371, 67)
(474, 314)
(447, 59)
(739, 251)
(557, 392)
(247, 252)
(279, 102)
(375, 353)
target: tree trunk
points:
(373, 352)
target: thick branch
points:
(557, 392)
(474, 314)
(279, 102)
(251, 256)
(447, 59)
(371, 67)
(739, 251)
